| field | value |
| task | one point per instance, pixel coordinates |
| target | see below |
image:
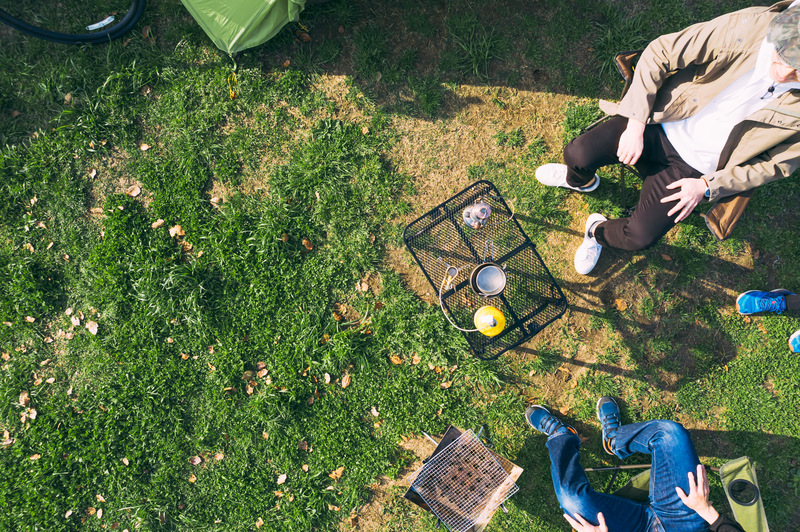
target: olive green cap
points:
(784, 33)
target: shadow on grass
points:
(688, 341)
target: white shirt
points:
(699, 139)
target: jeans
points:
(659, 164)
(673, 456)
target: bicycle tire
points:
(122, 27)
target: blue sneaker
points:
(794, 342)
(608, 414)
(755, 301)
(542, 420)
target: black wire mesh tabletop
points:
(446, 240)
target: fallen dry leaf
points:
(307, 244)
(211, 366)
(100, 513)
(278, 494)
(302, 445)
(24, 399)
(133, 191)
(304, 467)
(261, 373)
(192, 478)
(195, 460)
(219, 456)
(158, 223)
(396, 359)
(15, 113)
(666, 257)
(92, 326)
(126, 461)
(100, 498)
(337, 474)
(259, 522)
(51, 380)
(281, 479)
(176, 231)
(286, 63)
(69, 513)
(96, 210)
(30, 319)
(621, 305)
(35, 456)
(264, 435)
(364, 130)
(144, 147)
(215, 201)
(311, 400)
(345, 381)
(327, 378)
(415, 359)
(446, 384)
(29, 246)
(375, 412)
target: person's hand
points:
(697, 499)
(690, 194)
(581, 525)
(631, 142)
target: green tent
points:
(242, 24)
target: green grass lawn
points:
(201, 329)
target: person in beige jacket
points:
(713, 111)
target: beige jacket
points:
(679, 73)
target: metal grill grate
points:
(463, 482)
(531, 300)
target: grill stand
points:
(512, 470)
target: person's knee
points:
(639, 237)
(675, 432)
(576, 156)
(579, 502)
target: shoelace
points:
(611, 423)
(550, 424)
(771, 304)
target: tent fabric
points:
(242, 24)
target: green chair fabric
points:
(750, 517)
(236, 26)
(637, 489)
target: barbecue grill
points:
(463, 482)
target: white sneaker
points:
(589, 251)
(555, 175)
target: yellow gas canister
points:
(490, 321)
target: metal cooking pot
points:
(488, 280)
